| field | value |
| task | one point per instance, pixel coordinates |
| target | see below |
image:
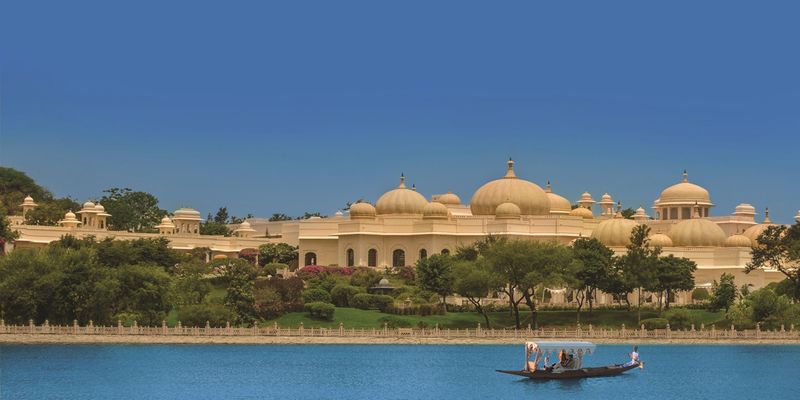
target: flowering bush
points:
(249, 255)
(406, 273)
(310, 271)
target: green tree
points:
(308, 215)
(209, 227)
(592, 267)
(474, 282)
(673, 274)
(6, 233)
(14, 186)
(239, 296)
(144, 292)
(628, 213)
(435, 274)
(131, 210)
(49, 212)
(639, 264)
(221, 217)
(156, 251)
(723, 293)
(778, 248)
(277, 253)
(279, 217)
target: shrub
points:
(342, 271)
(324, 281)
(406, 273)
(361, 301)
(342, 295)
(310, 271)
(197, 315)
(701, 294)
(365, 277)
(382, 302)
(316, 295)
(392, 322)
(268, 303)
(249, 255)
(655, 323)
(320, 310)
(272, 269)
(366, 301)
(678, 318)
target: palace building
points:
(403, 226)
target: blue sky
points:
(303, 106)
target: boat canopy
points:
(546, 348)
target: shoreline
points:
(40, 339)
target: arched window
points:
(423, 254)
(351, 257)
(446, 251)
(398, 258)
(311, 259)
(372, 258)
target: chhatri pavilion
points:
(403, 226)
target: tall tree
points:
(475, 283)
(281, 253)
(639, 263)
(673, 274)
(222, 217)
(778, 248)
(435, 274)
(6, 233)
(131, 210)
(723, 294)
(592, 267)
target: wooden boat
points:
(573, 373)
(574, 352)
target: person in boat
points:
(634, 357)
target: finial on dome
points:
(766, 216)
(685, 176)
(414, 187)
(402, 181)
(547, 188)
(510, 172)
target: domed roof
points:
(165, 223)
(558, 204)
(755, 231)
(697, 232)
(582, 212)
(99, 207)
(244, 227)
(586, 197)
(745, 209)
(383, 282)
(435, 211)
(88, 205)
(362, 210)
(28, 201)
(69, 216)
(186, 213)
(449, 198)
(166, 220)
(606, 198)
(615, 231)
(685, 193)
(797, 217)
(660, 240)
(507, 211)
(529, 197)
(401, 200)
(738, 241)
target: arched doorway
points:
(311, 259)
(372, 258)
(423, 254)
(446, 252)
(351, 257)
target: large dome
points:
(558, 204)
(615, 231)
(697, 232)
(755, 231)
(401, 200)
(529, 197)
(685, 193)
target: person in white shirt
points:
(634, 357)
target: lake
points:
(383, 372)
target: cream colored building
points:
(403, 226)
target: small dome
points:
(383, 282)
(435, 211)
(558, 204)
(745, 209)
(166, 220)
(738, 241)
(615, 231)
(401, 200)
(529, 197)
(507, 211)
(362, 210)
(685, 193)
(697, 232)
(28, 201)
(586, 197)
(166, 223)
(69, 216)
(99, 208)
(186, 213)
(606, 198)
(88, 205)
(755, 231)
(660, 240)
(582, 212)
(449, 198)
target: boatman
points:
(634, 357)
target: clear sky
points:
(302, 106)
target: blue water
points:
(383, 372)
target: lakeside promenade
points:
(75, 334)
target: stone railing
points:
(578, 332)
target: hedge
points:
(342, 295)
(655, 323)
(320, 310)
(366, 301)
(316, 295)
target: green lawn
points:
(354, 318)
